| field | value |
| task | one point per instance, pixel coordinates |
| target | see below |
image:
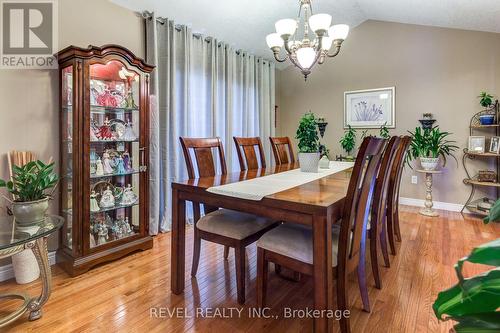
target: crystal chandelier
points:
(305, 53)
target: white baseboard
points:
(7, 271)
(452, 207)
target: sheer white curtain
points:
(202, 88)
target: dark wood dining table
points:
(317, 204)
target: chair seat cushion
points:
(296, 241)
(232, 224)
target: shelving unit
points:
(104, 120)
(472, 204)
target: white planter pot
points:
(429, 163)
(309, 162)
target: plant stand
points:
(427, 210)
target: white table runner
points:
(258, 188)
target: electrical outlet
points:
(414, 179)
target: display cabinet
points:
(104, 100)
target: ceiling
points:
(245, 23)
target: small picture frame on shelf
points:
(495, 145)
(476, 144)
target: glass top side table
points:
(15, 238)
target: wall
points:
(434, 70)
(29, 98)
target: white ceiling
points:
(245, 23)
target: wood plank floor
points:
(121, 296)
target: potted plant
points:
(486, 101)
(384, 131)
(29, 186)
(348, 141)
(307, 134)
(428, 145)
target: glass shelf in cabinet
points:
(102, 210)
(115, 174)
(111, 141)
(109, 109)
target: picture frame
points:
(370, 108)
(495, 145)
(476, 144)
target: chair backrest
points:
(380, 193)
(358, 203)
(202, 148)
(245, 147)
(397, 170)
(282, 150)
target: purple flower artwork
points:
(369, 108)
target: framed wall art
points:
(370, 108)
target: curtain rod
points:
(162, 20)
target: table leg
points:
(42, 257)
(323, 277)
(427, 210)
(178, 244)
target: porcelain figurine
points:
(102, 234)
(99, 169)
(107, 163)
(120, 167)
(94, 206)
(324, 162)
(127, 162)
(129, 101)
(107, 199)
(117, 229)
(129, 134)
(127, 230)
(105, 132)
(128, 197)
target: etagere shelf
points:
(104, 99)
(472, 180)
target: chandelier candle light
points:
(307, 52)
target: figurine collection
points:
(112, 130)
(112, 196)
(104, 229)
(111, 162)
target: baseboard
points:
(452, 207)
(7, 271)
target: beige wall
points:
(29, 98)
(433, 69)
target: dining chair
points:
(290, 245)
(393, 230)
(222, 226)
(247, 156)
(282, 150)
(377, 228)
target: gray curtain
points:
(202, 88)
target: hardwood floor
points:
(121, 296)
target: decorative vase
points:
(322, 128)
(487, 119)
(30, 212)
(429, 163)
(309, 162)
(324, 162)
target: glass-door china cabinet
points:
(104, 98)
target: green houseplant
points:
(384, 131)
(348, 142)
(307, 134)
(29, 185)
(428, 145)
(486, 101)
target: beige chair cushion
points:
(296, 241)
(232, 224)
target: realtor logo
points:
(29, 34)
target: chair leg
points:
(226, 252)
(196, 252)
(239, 260)
(262, 271)
(362, 281)
(397, 231)
(342, 303)
(390, 231)
(374, 261)
(383, 245)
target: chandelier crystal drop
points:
(308, 39)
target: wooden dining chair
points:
(290, 245)
(221, 226)
(247, 156)
(378, 223)
(393, 230)
(282, 150)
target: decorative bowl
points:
(487, 119)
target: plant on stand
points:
(486, 101)
(29, 185)
(348, 142)
(428, 145)
(307, 134)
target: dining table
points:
(317, 203)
